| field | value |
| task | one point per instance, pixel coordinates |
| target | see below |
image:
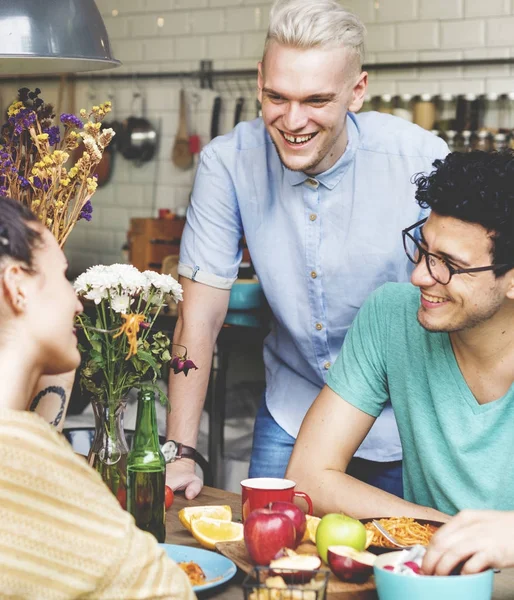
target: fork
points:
(389, 537)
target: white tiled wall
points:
(231, 33)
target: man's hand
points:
(472, 541)
(180, 475)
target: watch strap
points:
(184, 451)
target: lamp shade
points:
(52, 36)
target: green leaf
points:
(148, 358)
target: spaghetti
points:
(406, 530)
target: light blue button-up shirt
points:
(319, 246)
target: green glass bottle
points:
(146, 471)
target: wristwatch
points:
(175, 450)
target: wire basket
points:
(261, 584)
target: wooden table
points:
(176, 534)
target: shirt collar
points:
(333, 176)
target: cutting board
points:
(337, 590)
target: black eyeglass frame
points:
(451, 269)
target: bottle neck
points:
(146, 434)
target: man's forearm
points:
(187, 395)
(334, 491)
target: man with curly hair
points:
(440, 349)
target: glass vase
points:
(109, 450)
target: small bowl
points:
(246, 294)
(392, 586)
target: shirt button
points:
(319, 326)
(314, 274)
(313, 217)
(313, 182)
(327, 365)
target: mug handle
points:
(306, 498)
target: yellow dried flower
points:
(83, 112)
(49, 222)
(35, 204)
(73, 172)
(47, 160)
(59, 204)
(92, 184)
(42, 136)
(15, 108)
(65, 182)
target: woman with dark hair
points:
(63, 535)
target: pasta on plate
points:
(406, 530)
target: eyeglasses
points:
(440, 269)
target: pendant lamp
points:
(52, 36)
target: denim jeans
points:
(272, 447)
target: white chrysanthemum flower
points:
(116, 280)
(159, 285)
(121, 303)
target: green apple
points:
(336, 529)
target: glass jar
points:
(424, 111)
(491, 119)
(386, 104)
(446, 111)
(403, 106)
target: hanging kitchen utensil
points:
(215, 120)
(137, 139)
(194, 138)
(240, 102)
(181, 155)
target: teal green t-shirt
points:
(456, 453)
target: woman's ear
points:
(14, 284)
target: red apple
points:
(295, 513)
(266, 533)
(349, 564)
(297, 568)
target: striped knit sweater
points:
(63, 535)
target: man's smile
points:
(298, 140)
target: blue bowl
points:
(246, 294)
(392, 586)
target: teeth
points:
(434, 299)
(298, 139)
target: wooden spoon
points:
(181, 155)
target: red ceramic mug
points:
(260, 491)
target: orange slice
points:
(310, 529)
(209, 531)
(185, 515)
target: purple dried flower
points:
(87, 211)
(70, 120)
(24, 119)
(23, 182)
(3, 191)
(37, 182)
(182, 364)
(54, 136)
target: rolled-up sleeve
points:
(210, 250)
